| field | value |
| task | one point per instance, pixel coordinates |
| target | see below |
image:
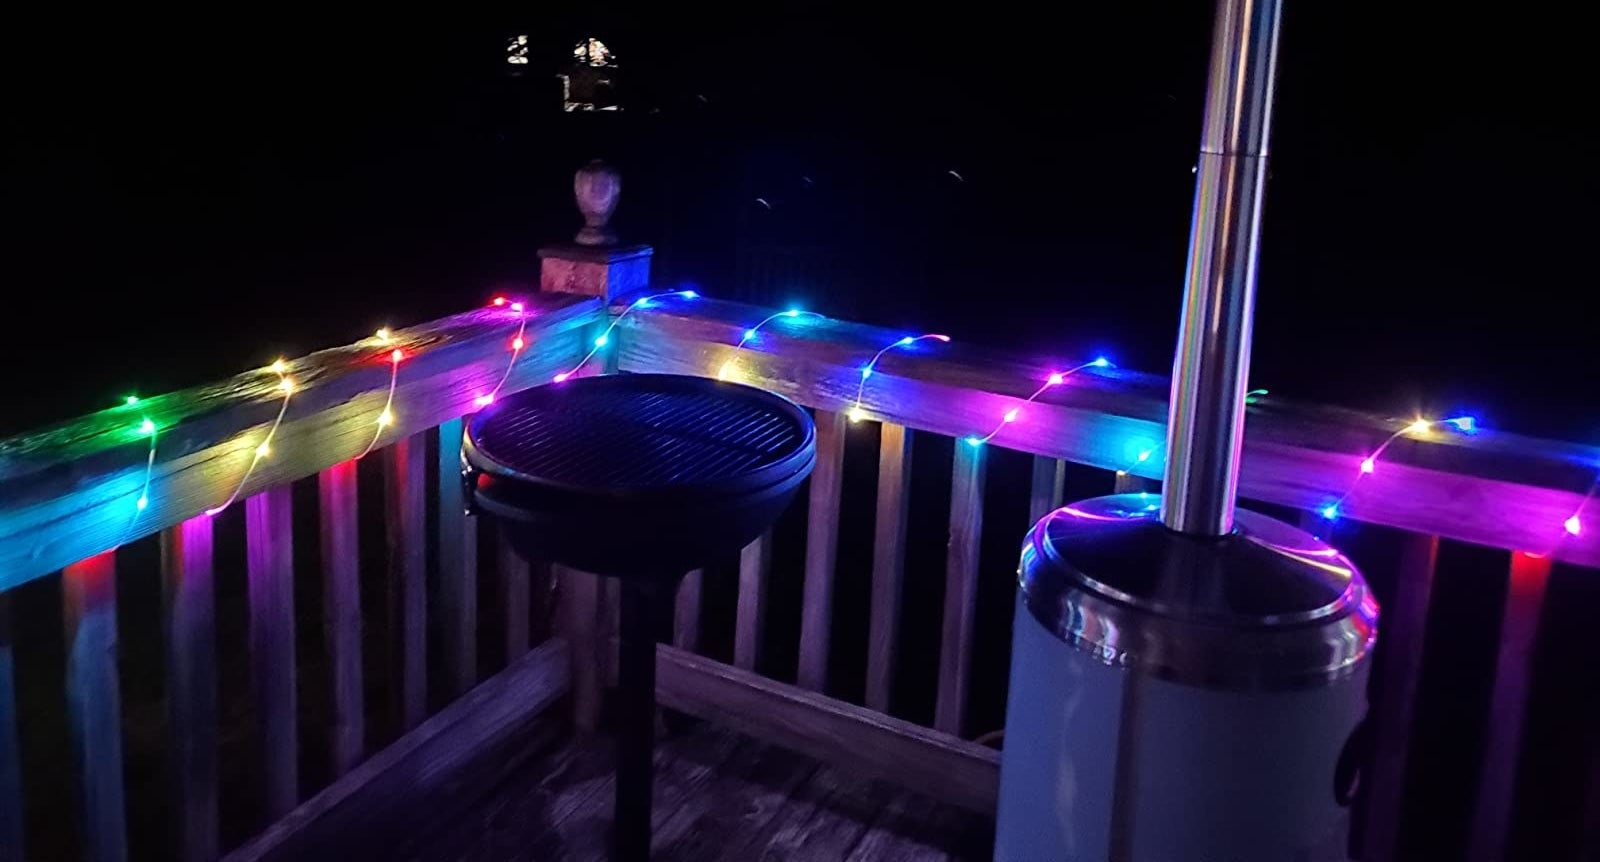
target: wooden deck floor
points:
(719, 796)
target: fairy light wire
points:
(148, 428)
(286, 384)
(385, 418)
(604, 338)
(855, 413)
(1574, 524)
(726, 369)
(1055, 379)
(1369, 464)
(517, 343)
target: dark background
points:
(201, 195)
(187, 198)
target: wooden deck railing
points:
(69, 497)
(67, 501)
(1495, 489)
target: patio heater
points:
(1186, 678)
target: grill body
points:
(640, 477)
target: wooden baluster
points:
(1127, 483)
(960, 589)
(458, 567)
(888, 562)
(1513, 672)
(341, 611)
(515, 595)
(1404, 625)
(754, 563)
(406, 514)
(188, 577)
(579, 621)
(1049, 484)
(11, 847)
(94, 708)
(686, 613)
(269, 540)
(822, 546)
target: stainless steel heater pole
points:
(1205, 423)
(1186, 679)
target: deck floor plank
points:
(719, 795)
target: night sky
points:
(203, 196)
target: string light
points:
(1369, 464)
(386, 416)
(286, 385)
(604, 338)
(857, 414)
(1574, 524)
(1055, 379)
(147, 428)
(383, 335)
(484, 399)
(726, 371)
(130, 401)
(1143, 456)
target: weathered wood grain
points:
(94, 703)
(578, 619)
(406, 531)
(686, 613)
(190, 596)
(71, 488)
(269, 564)
(516, 576)
(11, 825)
(457, 606)
(822, 550)
(435, 762)
(960, 589)
(739, 796)
(888, 563)
(1405, 625)
(861, 740)
(341, 612)
(755, 561)
(1513, 676)
(1489, 488)
(1046, 488)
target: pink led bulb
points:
(517, 307)
(395, 356)
(562, 377)
(499, 300)
(1574, 526)
(483, 400)
(516, 343)
(1368, 465)
(1056, 379)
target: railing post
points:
(269, 541)
(94, 704)
(755, 561)
(406, 510)
(11, 847)
(1048, 486)
(458, 567)
(339, 516)
(822, 546)
(1513, 672)
(686, 613)
(188, 575)
(1400, 671)
(888, 562)
(960, 589)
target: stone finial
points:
(597, 186)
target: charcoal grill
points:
(640, 477)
